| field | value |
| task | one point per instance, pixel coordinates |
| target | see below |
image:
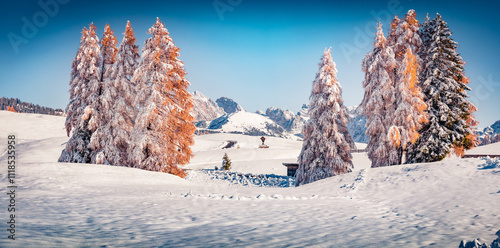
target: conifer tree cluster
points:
(416, 94)
(125, 110)
(326, 150)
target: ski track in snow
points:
(82, 205)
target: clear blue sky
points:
(260, 53)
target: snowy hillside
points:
(490, 149)
(421, 205)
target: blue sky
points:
(260, 53)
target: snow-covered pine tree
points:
(409, 113)
(406, 36)
(108, 51)
(102, 107)
(378, 101)
(162, 134)
(84, 84)
(425, 35)
(410, 107)
(185, 128)
(118, 96)
(444, 86)
(392, 38)
(325, 150)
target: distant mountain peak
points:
(229, 105)
(286, 119)
(204, 108)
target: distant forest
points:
(24, 107)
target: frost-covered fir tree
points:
(406, 36)
(108, 51)
(103, 106)
(184, 120)
(445, 89)
(163, 129)
(118, 96)
(379, 99)
(392, 38)
(409, 114)
(425, 36)
(326, 149)
(84, 86)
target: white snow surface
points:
(82, 205)
(491, 149)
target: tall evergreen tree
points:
(444, 85)
(379, 99)
(181, 115)
(326, 149)
(425, 35)
(84, 85)
(392, 38)
(102, 107)
(118, 96)
(108, 51)
(409, 106)
(407, 36)
(162, 131)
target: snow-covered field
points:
(81, 205)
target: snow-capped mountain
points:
(493, 129)
(357, 124)
(247, 123)
(304, 111)
(489, 134)
(229, 105)
(286, 119)
(226, 116)
(204, 108)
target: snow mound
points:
(490, 163)
(476, 243)
(261, 180)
